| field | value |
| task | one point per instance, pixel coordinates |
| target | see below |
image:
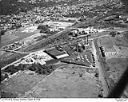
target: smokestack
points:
(87, 39)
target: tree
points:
(43, 28)
(113, 34)
(2, 32)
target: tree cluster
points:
(41, 69)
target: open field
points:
(106, 42)
(122, 40)
(20, 83)
(117, 66)
(67, 81)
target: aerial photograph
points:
(64, 48)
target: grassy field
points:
(67, 81)
(19, 84)
(123, 40)
(106, 42)
(117, 67)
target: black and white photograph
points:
(64, 49)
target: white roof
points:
(62, 56)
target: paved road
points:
(100, 66)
